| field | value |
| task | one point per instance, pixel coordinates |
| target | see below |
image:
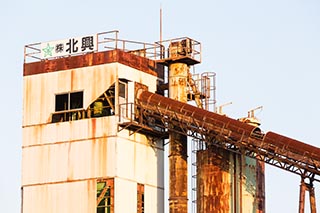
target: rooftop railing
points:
(105, 41)
(160, 51)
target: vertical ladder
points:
(208, 90)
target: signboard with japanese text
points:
(71, 46)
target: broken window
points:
(103, 105)
(140, 198)
(105, 196)
(67, 106)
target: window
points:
(122, 89)
(67, 106)
(69, 101)
(140, 198)
(105, 196)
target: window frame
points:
(106, 195)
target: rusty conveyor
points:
(233, 135)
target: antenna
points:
(160, 24)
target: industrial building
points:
(99, 110)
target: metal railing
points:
(79, 114)
(181, 47)
(105, 41)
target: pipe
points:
(312, 199)
(178, 146)
(302, 196)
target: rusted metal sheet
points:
(91, 59)
(178, 146)
(214, 181)
(178, 173)
(260, 188)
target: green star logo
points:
(47, 51)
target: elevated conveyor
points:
(233, 135)
(158, 114)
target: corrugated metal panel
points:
(77, 197)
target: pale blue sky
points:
(263, 52)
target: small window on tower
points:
(122, 89)
(67, 106)
(76, 100)
(105, 196)
(62, 102)
(140, 198)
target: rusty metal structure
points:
(235, 136)
(94, 134)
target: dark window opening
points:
(105, 196)
(140, 198)
(122, 90)
(62, 102)
(67, 105)
(76, 100)
(104, 105)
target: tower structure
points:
(90, 145)
(76, 158)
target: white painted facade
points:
(62, 161)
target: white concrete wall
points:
(69, 197)
(61, 161)
(39, 90)
(64, 162)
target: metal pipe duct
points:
(272, 148)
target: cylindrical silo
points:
(178, 165)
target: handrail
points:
(105, 41)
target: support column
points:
(312, 199)
(178, 180)
(260, 191)
(302, 195)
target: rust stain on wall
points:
(91, 59)
(213, 181)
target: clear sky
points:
(263, 52)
